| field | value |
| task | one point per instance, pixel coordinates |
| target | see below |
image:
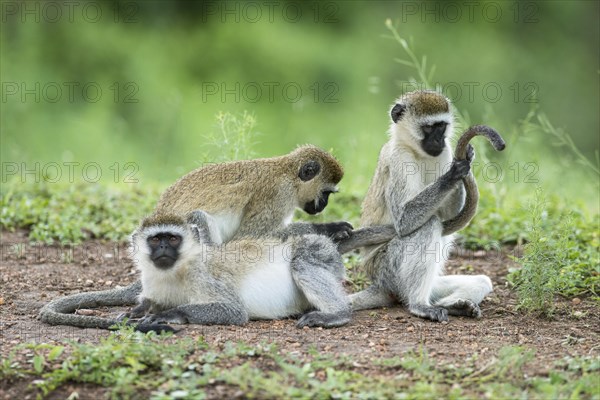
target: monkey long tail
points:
(472, 193)
(60, 311)
(369, 236)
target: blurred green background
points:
(141, 82)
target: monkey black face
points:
(315, 207)
(164, 249)
(433, 138)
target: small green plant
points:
(118, 361)
(541, 261)
(234, 139)
(557, 259)
(563, 139)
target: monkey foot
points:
(325, 320)
(166, 317)
(465, 308)
(437, 314)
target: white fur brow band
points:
(154, 230)
(446, 117)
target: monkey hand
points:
(335, 230)
(171, 316)
(458, 170)
(470, 153)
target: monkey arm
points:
(454, 202)
(138, 311)
(411, 215)
(215, 302)
(464, 215)
(205, 227)
(335, 230)
(369, 236)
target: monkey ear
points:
(309, 170)
(397, 112)
(195, 217)
(196, 232)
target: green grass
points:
(128, 364)
(70, 213)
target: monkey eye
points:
(154, 240)
(309, 170)
(427, 129)
(174, 240)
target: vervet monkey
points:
(188, 278)
(254, 198)
(410, 191)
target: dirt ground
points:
(32, 275)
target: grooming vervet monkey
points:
(409, 191)
(189, 278)
(254, 198)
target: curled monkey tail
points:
(472, 193)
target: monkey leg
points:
(326, 294)
(410, 267)
(201, 314)
(318, 271)
(372, 297)
(461, 294)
